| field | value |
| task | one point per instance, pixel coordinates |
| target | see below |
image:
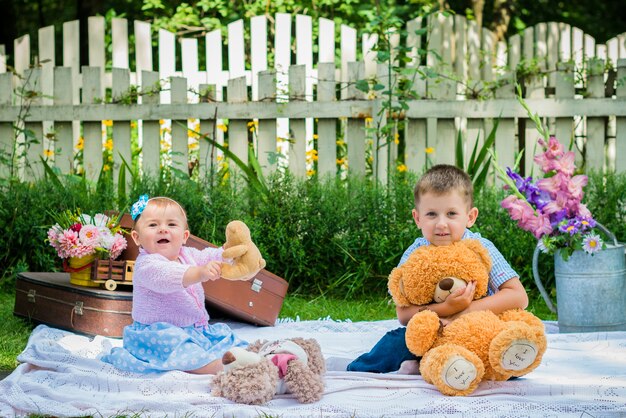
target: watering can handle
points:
(538, 282)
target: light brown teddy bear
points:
(256, 374)
(476, 346)
(247, 259)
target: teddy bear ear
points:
(395, 288)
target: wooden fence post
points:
(620, 129)
(326, 128)
(7, 135)
(121, 129)
(266, 135)
(63, 96)
(297, 127)
(150, 130)
(594, 147)
(34, 145)
(180, 131)
(355, 128)
(92, 130)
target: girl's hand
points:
(211, 271)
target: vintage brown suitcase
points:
(258, 300)
(50, 299)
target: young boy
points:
(444, 209)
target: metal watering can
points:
(590, 289)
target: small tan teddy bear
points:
(247, 259)
(255, 375)
(476, 346)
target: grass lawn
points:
(15, 332)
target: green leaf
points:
(362, 85)
(51, 174)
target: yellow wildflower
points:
(193, 145)
(429, 150)
(81, 143)
(368, 120)
(48, 153)
(315, 136)
(108, 144)
(340, 161)
(222, 127)
(341, 142)
(402, 168)
(310, 172)
(133, 124)
(107, 122)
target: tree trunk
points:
(502, 13)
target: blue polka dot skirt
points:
(162, 346)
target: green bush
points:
(338, 238)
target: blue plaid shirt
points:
(500, 272)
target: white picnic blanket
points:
(582, 375)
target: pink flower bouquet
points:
(551, 208)
(79, 235)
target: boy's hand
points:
(461, 298)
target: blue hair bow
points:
(139, 206)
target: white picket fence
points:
(293, 100)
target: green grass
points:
(15, 332)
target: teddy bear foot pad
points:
(458, 373)
(519, 355)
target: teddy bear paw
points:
(520, 355)
(458, 373)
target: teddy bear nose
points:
(228, 358)
(446, 284)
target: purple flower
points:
(571, 227)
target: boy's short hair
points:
(444, 178)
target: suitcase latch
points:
(257, 285)
(31, 295)
(78, 308)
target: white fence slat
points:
(238, 129)
(601, 52)
(577, 50)
(564, 128)
(621, 38)
(413, 40)
(514, 50)
(167, 61)
(355, 129)
(447, 39)
(460, 47)
(304, 56)
(119, 42)
(612, 49)
(282, 51)
(326, 41)
(529, 44)
(21, 51)
(143, 48)
(534, 89)
(297, 127)
(501, 58)
(47, 62)
(589, 46)
(541, 41)
(71, 59)
(92, 131)
(95, 27)
(180, 134)
(7, 138)
(190, 67)
(258, 50)
(266, 144)
(236, 49)
(505, 143)
(489, 51)
(473, 51)
(381, 147)
(214, 62)
(552, 53)
(30, 166)
(64, 145)
(594, 146)
(3, 59)
(368, 42)
(120, 84)
(415, 138)
(326, 128)
(620, 130)
(150, 130)
(434, 42)
(348, 54)
(565, 44)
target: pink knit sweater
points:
(158, 292)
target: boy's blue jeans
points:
(386, 356)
